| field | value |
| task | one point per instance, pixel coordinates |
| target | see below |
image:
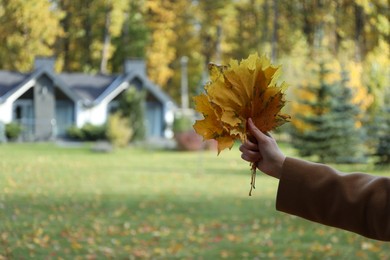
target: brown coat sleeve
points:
(356, 202)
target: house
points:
(47, 103)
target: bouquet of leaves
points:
(236, 92)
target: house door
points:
(153, 119)
(64, 116)
(23, 113)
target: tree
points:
(89, 27)
(132, 41)
(350, 136)
(73, 46)
(113, 12)
(186, 44)
(24, 35)
(382, 132)
(161, 20)
(313, 138)
(210, 20)
(330, 129)
(246, 32)
(131, 106)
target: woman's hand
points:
(263, 151)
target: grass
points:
(71, 203)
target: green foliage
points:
(143, 204)
(94, 132)
(331, 131)
(132, 106)
(88, 132)
(182, 123)
(383, 148)
(134, 37)
(350, 137)
(75, 132)
(382, 134)
(119, 131)
(88, 28)
(13, 131)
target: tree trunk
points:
(106, 43)
(274, 42)
(86, 58)
(359, 32)
(308, 26)
(218, 50)
(65, 41)
(337, 37)
(265, 22)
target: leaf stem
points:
(253, 178)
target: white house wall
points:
(169, 117)
(6, 108)
(96, 115)
(6, 112)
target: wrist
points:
(278, 167)
(279, 174)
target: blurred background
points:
(79, 80)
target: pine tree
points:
(313, 140)
(348, 135)
(331, 131)
(383, 132)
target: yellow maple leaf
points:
(236, 92)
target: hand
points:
(263, 151)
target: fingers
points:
(248, 158)
(250, 145)
(251, 157)
(260, 136)
(250, 152)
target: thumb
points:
(260, 136)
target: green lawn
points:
(71, 203)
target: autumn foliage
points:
(236, 92)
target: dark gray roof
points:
(148, 85)
(88, 87)
(10, 80)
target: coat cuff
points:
(293, 187)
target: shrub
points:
(76, 133)
(182, 123)
(13, 131)
(131, 106)
(88, 132)
(94, 132)
(118, 130)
